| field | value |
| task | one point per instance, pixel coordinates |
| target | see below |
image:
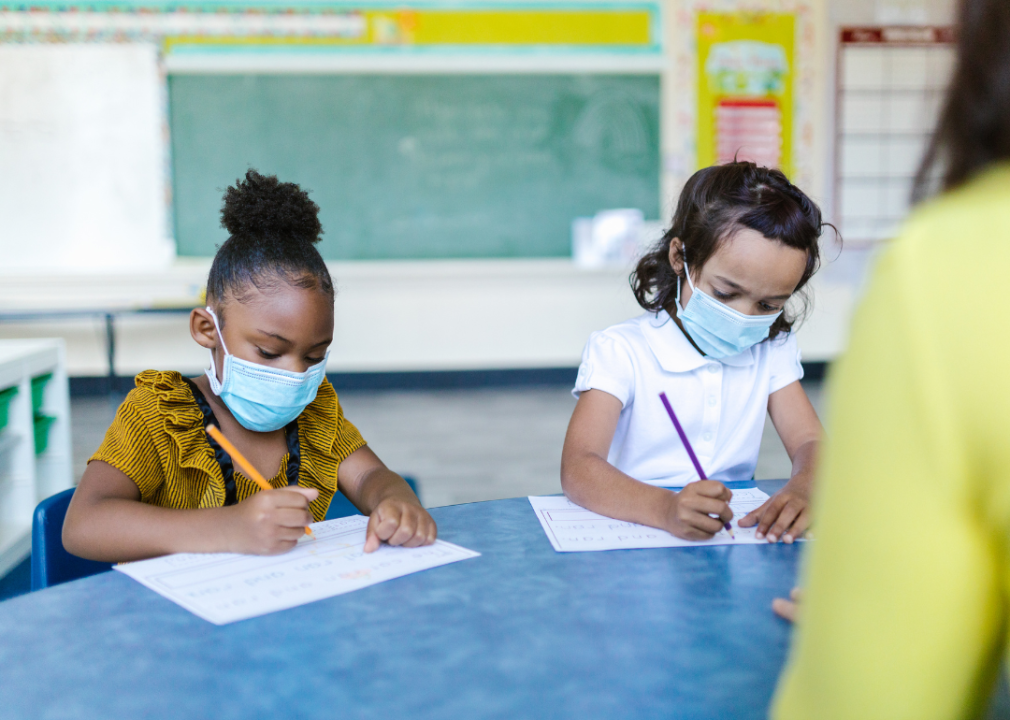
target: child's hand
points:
(787, 609)
(785, 515)
(399, 522)
(272, 521)
(690, 517)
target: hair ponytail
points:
(273, 228)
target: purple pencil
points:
(687, 446)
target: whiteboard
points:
(82, 157)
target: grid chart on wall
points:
(891, 83)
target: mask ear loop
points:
(687, 270)
(217, 328)
(215, 384)
(687, 274)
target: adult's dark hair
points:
(273, 227)
(716, 202)
(974, 127)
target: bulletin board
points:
(890, 87)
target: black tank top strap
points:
(223, 459)
(294, 452)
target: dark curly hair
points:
(273, 228)
(715, 202)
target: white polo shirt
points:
(721, 404)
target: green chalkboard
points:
(420, 166)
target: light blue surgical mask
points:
(262, 398)
(716, 328)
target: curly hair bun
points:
(262, 207)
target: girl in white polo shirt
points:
(716, 339)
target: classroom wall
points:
(430, 315)
(398, 316)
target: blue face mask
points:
(262, 398)
(717, 329)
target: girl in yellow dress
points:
(158, 484)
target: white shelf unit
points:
(27, 478)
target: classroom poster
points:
(746, 71)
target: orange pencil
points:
(239, 459)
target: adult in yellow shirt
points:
(907, 589)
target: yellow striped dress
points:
(158, 440)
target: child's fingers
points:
(421, 534)
(799, 526)
(789, 512)
(754, 515)
(694, 533)
(703, 522)
(309, 493)
(405, 529)
(291, 534)
(796, 594)
(773, 508)
(429, 530)
(785, 609)
(278, 541)
(381, 526)
(710, 488)
(372, 539)
(292, 518)
(710, 506)
(426, 530)
(293, 497)
(693, 514)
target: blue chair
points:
(51, 563)
(340, 506)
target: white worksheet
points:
(572, 528)
(224, 587)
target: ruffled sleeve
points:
(129, 448)
(157, 440)
(327, 438)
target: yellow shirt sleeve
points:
(906, 583)
(348, 438)
(129, 447)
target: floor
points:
(460, 445)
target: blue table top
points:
(520, 632)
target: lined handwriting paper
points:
(572, 528)
(225, 587)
